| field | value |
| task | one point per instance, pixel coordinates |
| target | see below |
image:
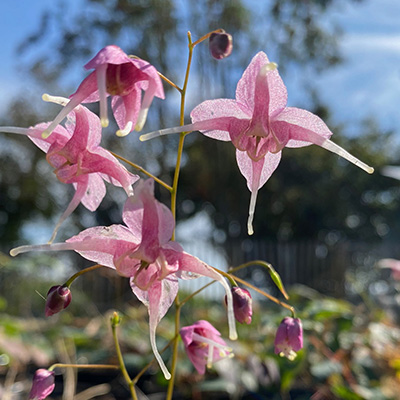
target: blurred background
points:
(321, 222)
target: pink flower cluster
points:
(259, 125)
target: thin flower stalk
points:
(171, 383)
(114, 324)
(273, 273)
(141, 169)
(267, 295)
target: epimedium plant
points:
(143, 248)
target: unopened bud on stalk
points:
(58, 298)
(242, 305)
(42, 385)
(220, 44)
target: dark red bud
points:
(242, 305)
(220, 45)
(58, 298)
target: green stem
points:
(173, 210)
(170, 82)
(141, 169)
(84, 366)
(121, 360)
(171, 382)
(185, 300)
(272, 272)
(207, 36)
(226, 275)
(267, 295)
(183, 134)
(79, 273)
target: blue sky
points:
(367, 83)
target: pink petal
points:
(169, 259)
(126, 109)
(152, 75)
(141, 212)
(87, 91)
(246, 86)
(158, 299)
(79, 194)
(108, 55)
(102, 244)
(102, 162)
(191, 264)
(299, 125)
(295, 334)
(156, 223)
(256, 174)
(215, 109)
(58, 139)
(94, 193)
(86, 135)
(143, 279)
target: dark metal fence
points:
(312, 263)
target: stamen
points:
(211, 342)
(210, 356)
(127, 129)
(55, 99)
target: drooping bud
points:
(220, 45)
(58, 298)
(289, 338)
(42, 385)
(242, 305)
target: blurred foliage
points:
(351, 349)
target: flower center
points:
(120, 79)
(287, 351)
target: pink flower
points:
(78, 159)
(203, 345)
(43, 384)
(392, 264)
(260, 125)
(123, 78)
(58, 298)
(142, 250)
(289, 338)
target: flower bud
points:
(58, 298)
(42, 385)
(289, 338)
(242, 305)
(220, 44)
